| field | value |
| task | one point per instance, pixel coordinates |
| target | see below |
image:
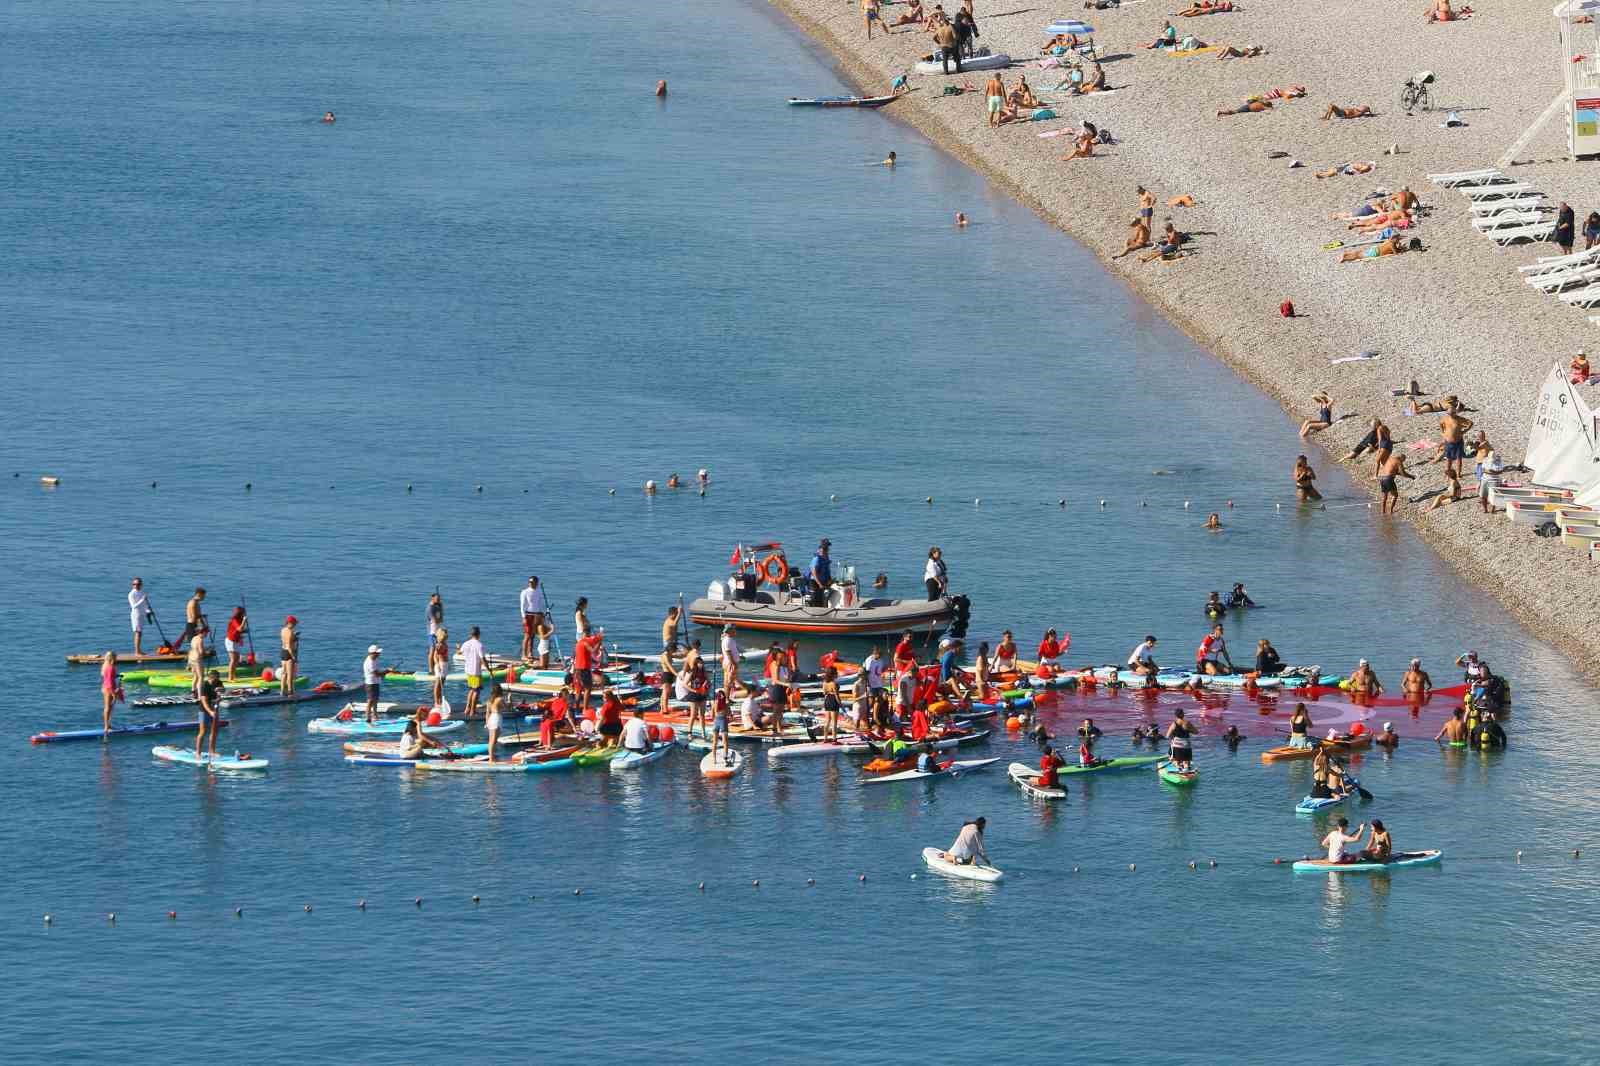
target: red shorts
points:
(527, 624)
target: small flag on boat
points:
(734, 561)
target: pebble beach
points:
(1457, 317)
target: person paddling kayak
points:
(968, 848)
(1338, 842)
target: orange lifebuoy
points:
(775, 568)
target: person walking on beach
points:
(1566, 226)
(1304, 477)
(138, 612)
(950, 50)
(995, 92)
(1453, 430)
(1391, 468)
(289, 655)
(534, 609)
(871, 13)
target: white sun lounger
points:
(1556, 280)
(1496, 192)
(1466, 177)
(1561, 262)
(1510, 218)
(1532, 232)
(1586, 297)
(1495, 207)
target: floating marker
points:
(248, 486)
(577, 892)
(1131, 867)
(474, 899)
(1185, 505)
(152, 484)
(361, 904)
(478, 489)
(418, 901)
(702, 886)
(112, 917)
(1191, 864)
(47, 919)
(308, 908)
(613, 492)
(1102, 503)
(238, 912)
(1213, 864)
(811, 880)
(833, 498)
(1061, 503)
(408, 486)
(913, 877)
(977, 500)
(172, 915)
(929, 499)
(863, 877)
(1074, 869)
(756, 883)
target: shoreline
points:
(1264, 222)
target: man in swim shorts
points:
(1453, 430)
(995, 90)
(1391, 468)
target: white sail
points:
(1561, 444)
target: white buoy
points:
(833, 497)
(1102, 503)
(976, 500)
(1185, 505)
(650, 487)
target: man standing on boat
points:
(533, 612)
(821, 574)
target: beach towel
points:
(1189, 51)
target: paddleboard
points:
(853, 744)
(360, 727)
(1174, 776)
(991, 61)
(1027, 778)
(632, 760)
(1286, 752)
(378, 760)
(210, 762)
(1401, 858)
(938, 861)
(722, 764)
(148, 729)
(480, 765)
(1126, 762)
(95, 658)
(595, 756)
(164, 679)
(1311, 805)
(243, 672)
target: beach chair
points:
(1507, 218)
(1556, 280)
(1594, 552)
(1509, 235)
(1521, 203)
(1548, 263)
(1585, 297)
(1468, 177)
(1481, 193)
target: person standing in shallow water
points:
(1304, 480)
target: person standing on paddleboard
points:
(193, 617)
(1178, 733)
(370, 675)
(435, 615)
(197, 658)
(233, 639)
(534, 609)
(968, 848)
(439, 664)
(109, 689)
(472, 661)
(209, 693)
(1300, 727)
(138, 613)
(289, 654)
(730, 658)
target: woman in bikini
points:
(1304, 477)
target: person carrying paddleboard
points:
(139, 612)
(370, 673)
(968, 848)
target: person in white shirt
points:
(370, 675)
(1143, 659)
(968, 848)
(533, 612)
(1338, 837)
(935, 575)
(730, 658)
(635, 733)
(873, 668)
(138, 611)
(472, 657)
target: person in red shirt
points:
(583, 670)
(1050, 648)
(919, 724)
(556, 718)
(237, 625)
(1049, 763)
(905, 658)
(610, 716)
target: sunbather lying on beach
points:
(913, 15)
(1138, 237)
(1288, 92)
(1405, 199)
(1166, 38)
(1424, 407)
(1249, 51)
(1190, 43)
(1060, 44)
(1205, 7)
(1186, 200)
(1347, 168)
(1395, 245)
(1366, 210)
(1439, 11)
(1383, 220)
(1353, 111)
(1255, 103)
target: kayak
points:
(983, 60)
(147, 729)
(360, 727)
(595, 756)
(941, 743)
(1027, 779)
(1312, 804)
(95, 658)
(144, 676)
(953, 768)
(721, 764)
(839, 101)
(187, 756)
(1400, 858)
(1125, 762)
(632, 760)
(940, 862)
(851, 744)
(1286, 752)
(1173, 776)
(1348, 742)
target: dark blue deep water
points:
(508, 266)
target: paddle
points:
(248, 635)
(150, 607)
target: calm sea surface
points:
(508, 266)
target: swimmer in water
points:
(889, 162)
(1214, 522)
(327, 116)
(661, 87)
(961, 220)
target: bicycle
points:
(1414, 94)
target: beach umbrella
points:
(1069, 26)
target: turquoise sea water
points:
(508, 265)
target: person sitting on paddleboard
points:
(1300, 726)
(1005, 654)
(1214, 606)
(1379, 847)
(1142, 660)
(1051, 648)
(610, 716)
(635, 733)
(414, 741)
(1268, 663)
(1338, 840)
(1182, 753)
(968, 848)
(1239, 597)
(1049, 763)
(1213, 653)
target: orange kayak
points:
(1275, 754)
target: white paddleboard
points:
(938, 862)
(210, 762)
(1027, 779)
(722, 764)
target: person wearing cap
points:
(1388, 738)
(730, 658)
(370, 673)
(138, 612)
(1416, 681)
(289, 654)
(1469, 663)
(1490, 471)
(472, 664)
(821, 574)
(935, 575)
(968, 848)
(1364, 682)
(950, 649)
(1580, 368)
(209, 692)
(534, 609)
(1178, 733)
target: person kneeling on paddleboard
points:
(1338, 838)
(1049, 763)
(1143, 661)
(968, 848)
